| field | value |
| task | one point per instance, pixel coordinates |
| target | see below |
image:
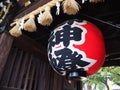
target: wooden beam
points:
(13, 58)
(111, 63)
(112, 46)
(29, 45)
(5, 45)
(32, 7)
(7, 88)
(22, 70)
(22, 2)
(79, 85)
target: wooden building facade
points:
(22, 69)
(23, 60)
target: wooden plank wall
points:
(5, 45)
(23, 71)
(24, 66)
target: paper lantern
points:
(76, 49)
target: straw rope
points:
(70, 7)
(37, 11)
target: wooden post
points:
(79, 85)
(5, 45)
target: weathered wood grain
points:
(5, 45)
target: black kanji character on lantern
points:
(68, 59)
(65, 35)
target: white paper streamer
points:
(58, 8)
(1, 4)
(39, 17)
(21, 24)
(83, 1)
(7, 1)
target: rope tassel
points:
(16, 30)
(30, 25)
(71, 7)
(46, 17)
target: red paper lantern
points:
(76, 48)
